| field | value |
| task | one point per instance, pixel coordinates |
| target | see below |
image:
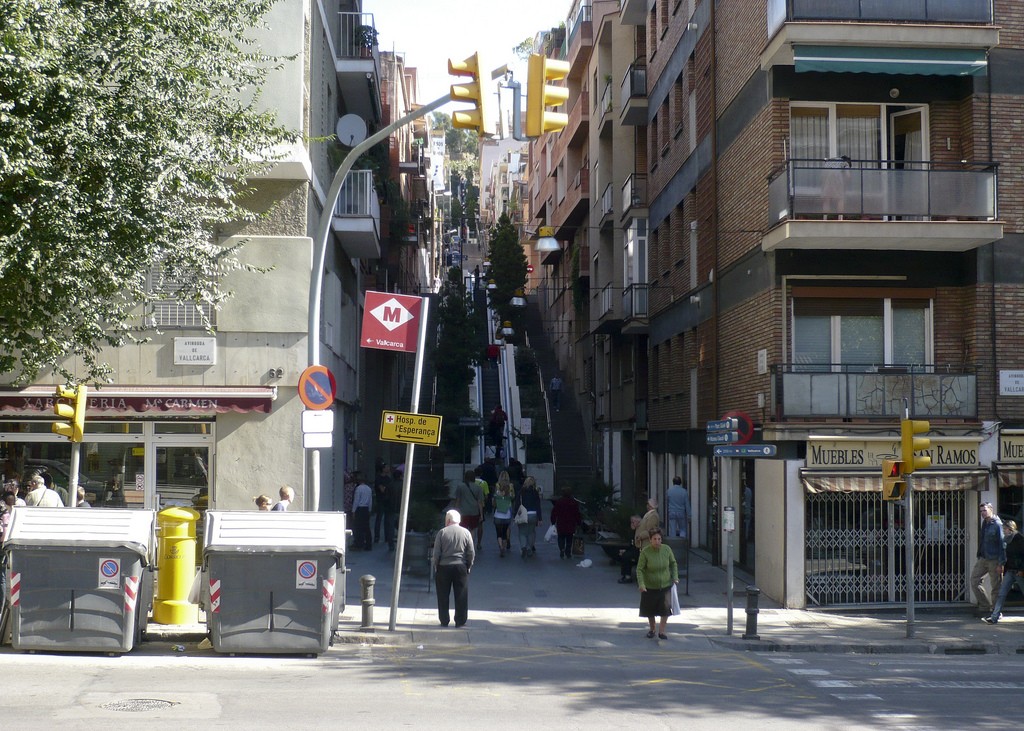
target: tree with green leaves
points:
(508, 270)
(459, 334)
(129, 133)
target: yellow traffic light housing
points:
(72, 414)
(540, 95)
(472, 91)
(911, 445)
(893, 485)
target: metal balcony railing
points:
(634, 83)
(584, 15)
(634, 191)
(842, 391)
(604, 301)
(806, 188)
(927, 11)
(634, 301)
(358, 196)
(606, 100)
(607, 201)
(357, 36)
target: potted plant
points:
(365, 39)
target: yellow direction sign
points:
(398, 426)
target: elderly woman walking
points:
(656, 573)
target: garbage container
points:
(177, 566)
(80, 580)
(271, 580)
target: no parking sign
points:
(305, 574)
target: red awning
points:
(183, 400)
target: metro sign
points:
(391, 321)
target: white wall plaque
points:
(1011, 383)
(195, 351)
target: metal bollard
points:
(751, 633)
(366, 583)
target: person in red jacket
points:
(566, 517)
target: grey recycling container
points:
(79, 580)
(273, 582)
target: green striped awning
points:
(865, 60)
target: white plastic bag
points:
(551, 534)
(675, 601)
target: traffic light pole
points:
(76, 459)
(908, 531)
(316, 274)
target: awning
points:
(906, 61)
(1010, 474)
(182, 400)
(816, 481)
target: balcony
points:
(634, 12)
(634, 309)
(634, 95)
(927, 24)
(580, 41)
(607, 206)
(356, 220)
(604, 111)
(914, 206)
(832, 391)
(357, 64)
(634, 197)
(573, 208)
(603, 312)
(578, 128)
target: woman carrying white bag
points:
(657, 573)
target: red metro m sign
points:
(391, 321)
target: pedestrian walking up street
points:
(453, 560)
(529, 497)
(991, 557)
(1013, 569)
(566, 517)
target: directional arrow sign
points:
(723, 425)
(724, 437)
(398, 426)
(746, 450)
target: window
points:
(166, 311)
(862, 132)
(860, 334)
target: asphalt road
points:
(649, 685)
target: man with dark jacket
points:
(991, 557)
(1013, 569)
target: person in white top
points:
(39, 494)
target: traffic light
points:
(893, 485)
(73, 414)
(911, 445)
(472, 91)
(540, 95)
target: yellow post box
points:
(176, 553)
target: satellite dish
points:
(351, 130)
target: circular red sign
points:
(745, 430)
(529, 268)
(317, 388)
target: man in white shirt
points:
(39, 494)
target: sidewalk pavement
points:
(545, 601)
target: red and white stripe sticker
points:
(328, 595)
(131, 593)
(15, 589)
(215, 596)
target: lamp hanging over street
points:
(491, 285)
(507, 330)
(547, 241)
(519, 300)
